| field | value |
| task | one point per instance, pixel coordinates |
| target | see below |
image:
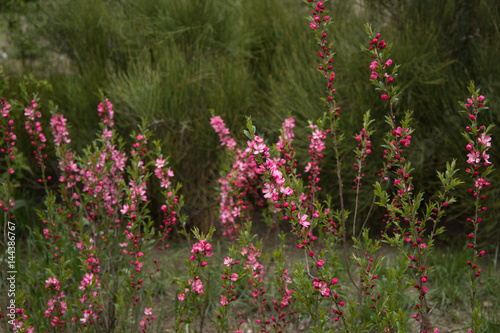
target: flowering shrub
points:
(98, 236)
(101, 217)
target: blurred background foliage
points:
(172, 61)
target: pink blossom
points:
(288, 126)
(484, 140)
(59, 131)
(148, 311)
(374, 65)
(303, 220)
(320, 263)
(385, 97)
(286, 191)
(196, 286)
(474, 157)
(486, 158)
(223, 301)
(228, 261)
(181, 297)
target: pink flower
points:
(320, 263)
(384, 97)
(181, 297)
(303, 220)
(373, 65)
(313, 25)
(374, 75)
(269, 190)
(148, 311)
(160, 163)
(228, 261)
(474, 157)
(486, 158)
(484, 140)
(223, 301)
(234, 277)
(388, 63)
(286, 191)
(197, 286)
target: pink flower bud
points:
(385, 97)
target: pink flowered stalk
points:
(479, 167)
(146, 323)
(283, 305)
(229, 278)
(316, 147)
(173, 202)
(236, 186)
(319, 22)
(361, 151)
(255, 273)
(7, 154)
(38, 139)
(403, 209)
(56, 306)
(191, 289)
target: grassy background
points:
(171, 62)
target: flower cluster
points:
(316, 146)
(381, 75)
(57, 306)
(18, 323)
(38, 139)
(67, 165)
(147, 322)
(221, 129)
(237, 186)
